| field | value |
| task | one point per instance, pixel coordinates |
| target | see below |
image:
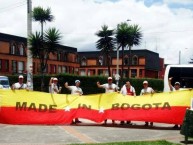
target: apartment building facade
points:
(13, 54)
(144, 63)
(13, 60)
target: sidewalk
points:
(86, 132)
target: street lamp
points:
(117, 76)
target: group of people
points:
(127, 90)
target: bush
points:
(88, 84)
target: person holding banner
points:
(147, 90)
(127, 90)
(176, 87)
(75, 90)
(109, 88)
(53, 86)
(19, 85)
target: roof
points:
(8, 38)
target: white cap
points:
(55, 79)
(20, 77)
(109, 78)
(145, 82)
(177, 83)
(77, 81)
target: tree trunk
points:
(122, 62)
(108, 64)
(42, 78)
(42, 31)
(129, 63)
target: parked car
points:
(4, 81)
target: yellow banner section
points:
(9, 98)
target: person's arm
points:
(51, 81)
(141, 93)
(66, 85)
(60, 89)
(99, 85)
(13, 87)
(170, 84)
(81, 92)
(152, 90)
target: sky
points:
(166, 25)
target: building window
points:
(76, 70)
(106, 72)
(65, 58)
(76, 58)
(39, 68)
(100, 60)
(126, 60)
(59, 69)
(135, 60)
(83, 61)
(21, 50)
(14, 66)
(100, 72)
(63, 69)
(13, 49)
(4, 65)
(59, 56)
(133, 73)
(52, 68)
(82, 72)
(20, 67)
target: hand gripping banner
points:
(30, 107)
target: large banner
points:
(30, 107)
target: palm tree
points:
(135, 36)
(42, 15)
(122, 37)
(106, 43)
(42, 49)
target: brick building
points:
(144, 63)
(13, 60)
(13, 57)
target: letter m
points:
(21, 106)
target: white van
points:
(4, 81)
(180, 73)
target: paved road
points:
(86, 132)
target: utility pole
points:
(29, 54)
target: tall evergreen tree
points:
(106, 43)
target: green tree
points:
(122, 37)
(135, 36)
(42, 48)
(106, 43)
(42, 15)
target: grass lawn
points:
(161, 142)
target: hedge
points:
(88, 83)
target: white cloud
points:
(168, 30)
(183, 2)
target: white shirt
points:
(19, 86)
(148, 90)
(109, 88)
(124, 90)
(75, 90)
(53, 88)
